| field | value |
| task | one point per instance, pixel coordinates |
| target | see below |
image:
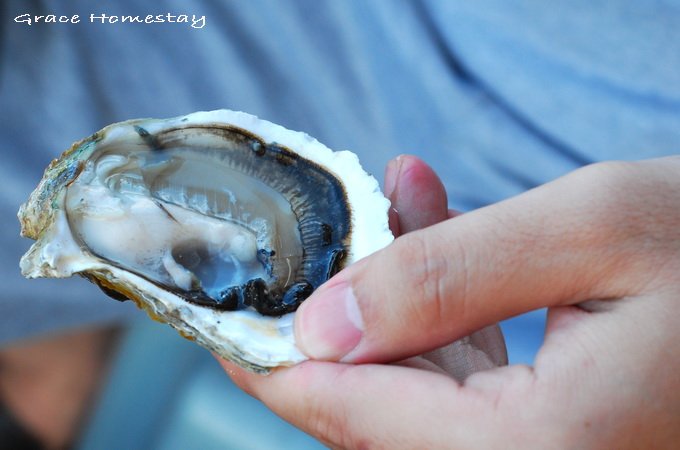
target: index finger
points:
(565, 242)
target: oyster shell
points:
(218, 223)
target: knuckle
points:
(605, 184)
(334, 424)
(602, 198)
(626, 186)
(326, 427)
(426, 272)
(631, 201)
(329, 425)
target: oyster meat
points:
(218, 223)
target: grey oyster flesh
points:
(213, 214)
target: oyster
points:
(218, 223)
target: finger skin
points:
(600, 382)
(441, 283)
(414, 189)
(606, 376)
(367, 406)
(418, 200)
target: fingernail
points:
(392, 175)
(328, 325)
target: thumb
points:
(558, 244)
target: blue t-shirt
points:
(497, 96)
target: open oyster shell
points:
(217, 223)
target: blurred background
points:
(497, 97)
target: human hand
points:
(600, 248)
